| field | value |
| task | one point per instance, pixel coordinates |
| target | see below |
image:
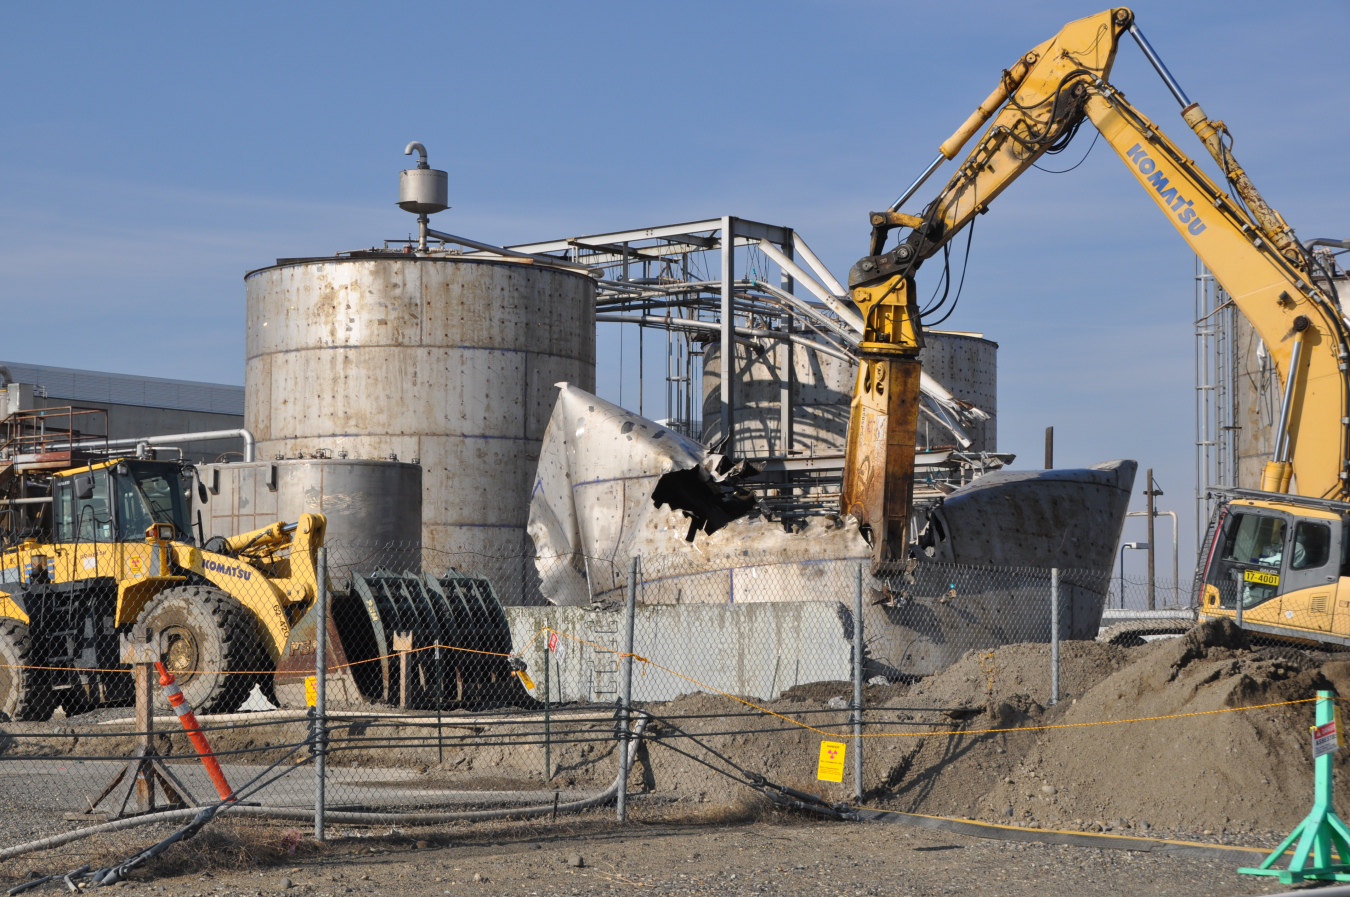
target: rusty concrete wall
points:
(822, 388)
(449, 364)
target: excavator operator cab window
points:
(1345, 548)
(1250, 557)
(1312, 545)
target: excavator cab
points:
(1277, 565)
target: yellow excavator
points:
(1276, 558)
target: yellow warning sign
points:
(831, 766)
(311, 691)
(525, 679)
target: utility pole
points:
(1151, 491)
(1049, 448)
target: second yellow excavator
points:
(1281, 554)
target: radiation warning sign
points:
(831, 765)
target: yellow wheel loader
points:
(118, 551)
(113, 548)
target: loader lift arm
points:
(1037, 107)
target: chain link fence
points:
(1131, 593)
(449, 684)
(429, 685)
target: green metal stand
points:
(1319, 831)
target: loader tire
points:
(209, 642)
(24, 694)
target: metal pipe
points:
(835, 303)
(26, 501)
(1150, 493)
(857, 687)
(1140, 546)
(1054, 635)
(918, 182)
(502, 251)
(171, 439)
(320, 685)
(726, 388)
(421, 153)
(1122, 574)
(1158, 66)
(1176, 582)
(810, 314)
(1326, 241)
(786, 362)
(626, 690)
(743, 334)
(816, 265)
(548, 700)
(1176, 593)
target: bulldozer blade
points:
(448, 634)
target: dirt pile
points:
(1242, 770)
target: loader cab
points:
(1280, 563)
(117, 501)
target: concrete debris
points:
(612, 485)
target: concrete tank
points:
(965, 363)
(365, 502)
(445, 362)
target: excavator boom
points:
(1036, 108)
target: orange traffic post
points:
(194, 731)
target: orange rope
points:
(788, 719)
(709, 688)
(342, 666)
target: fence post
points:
(320, 690)
(548, 697)
(1054, 635)
(626, 687)
(858, 687)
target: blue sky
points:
(153, 153)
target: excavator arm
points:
(1271, 280)
(1037, 107)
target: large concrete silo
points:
(443, 361)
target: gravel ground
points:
(763, 853)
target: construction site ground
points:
(746, 850)
(1157, 742)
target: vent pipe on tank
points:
(422, 191)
